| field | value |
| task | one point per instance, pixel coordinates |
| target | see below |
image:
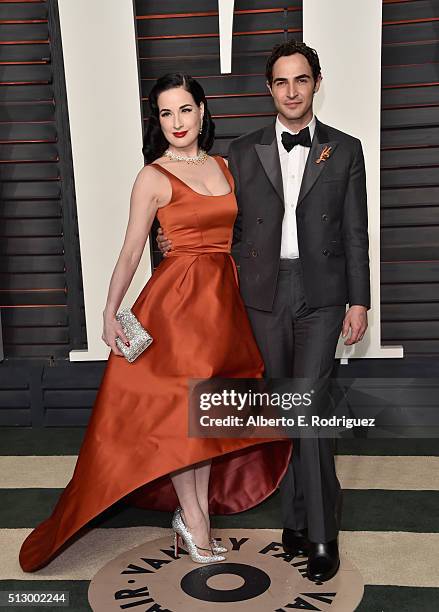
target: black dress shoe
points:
(295, 542)
(323, 561)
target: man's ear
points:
(317, 83)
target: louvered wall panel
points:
(40, 284)
(15, 397)
(410, 176)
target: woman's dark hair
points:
(154, 141)
(289, 48)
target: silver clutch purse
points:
(137, 335)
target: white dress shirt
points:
(292, 165)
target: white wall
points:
(347, 37)
(225, 19)
(99, 49)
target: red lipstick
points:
(180, 134)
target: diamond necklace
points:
(198, 159)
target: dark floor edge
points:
(363, 510)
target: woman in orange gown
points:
(136, 443)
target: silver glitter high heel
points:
(217, 548)
(180, 530)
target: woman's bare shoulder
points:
(154, 184)
(151, 175)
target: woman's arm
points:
(151, 190)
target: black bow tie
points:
(291, 140)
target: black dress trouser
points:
(300, 342)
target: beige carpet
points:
(387, 558)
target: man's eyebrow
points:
(300, 76)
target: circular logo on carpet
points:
(256, 576)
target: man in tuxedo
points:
(302, 229)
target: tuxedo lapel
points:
(313, 169)
(268, 154)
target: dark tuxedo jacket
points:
(331, 219)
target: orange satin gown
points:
(137, 433)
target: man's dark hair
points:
(289, 48)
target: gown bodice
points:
(198, 223)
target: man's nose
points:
(291, 90)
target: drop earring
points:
(201, 125)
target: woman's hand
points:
(112, 330)
(163, 243)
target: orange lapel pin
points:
(324, 154)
